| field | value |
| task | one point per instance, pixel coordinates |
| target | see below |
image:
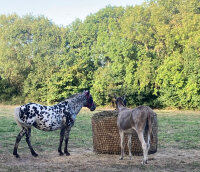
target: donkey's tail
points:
(18, 119)
(149, 118)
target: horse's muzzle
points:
(93, 107)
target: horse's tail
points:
(149, 119)
(18, 119)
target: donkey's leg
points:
(148, 141)
(28, 141)
(129, 145)
(144, 146)
(18, 138)
(122, 144)
(67, 131)
(62, 133)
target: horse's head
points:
(89, 101)
(120, 102)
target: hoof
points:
(61, 153)
(144, 162)
(67, 153)
(120, 158)
(35, 154)
(16, 155)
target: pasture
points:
(178, 146)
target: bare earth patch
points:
(87, 160)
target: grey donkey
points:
(138, 119)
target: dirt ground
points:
(87, 160)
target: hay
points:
(106, 137)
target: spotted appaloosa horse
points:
(48, 118)
(138, 119)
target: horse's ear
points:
(87, 92)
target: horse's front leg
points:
(67, 131)
(62, 134)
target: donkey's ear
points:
(124, 100)
(115, 96)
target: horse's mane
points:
(72, 96)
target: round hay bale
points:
(106, 138)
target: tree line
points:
(148, 52)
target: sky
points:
(60, 12)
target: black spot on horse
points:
(41, 117)
(21, 113)
(35, 110)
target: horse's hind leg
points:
(144, 147)
(28, 141)
(18, 139)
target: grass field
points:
(178, 146)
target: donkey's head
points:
(120, 102)
(89, 101)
